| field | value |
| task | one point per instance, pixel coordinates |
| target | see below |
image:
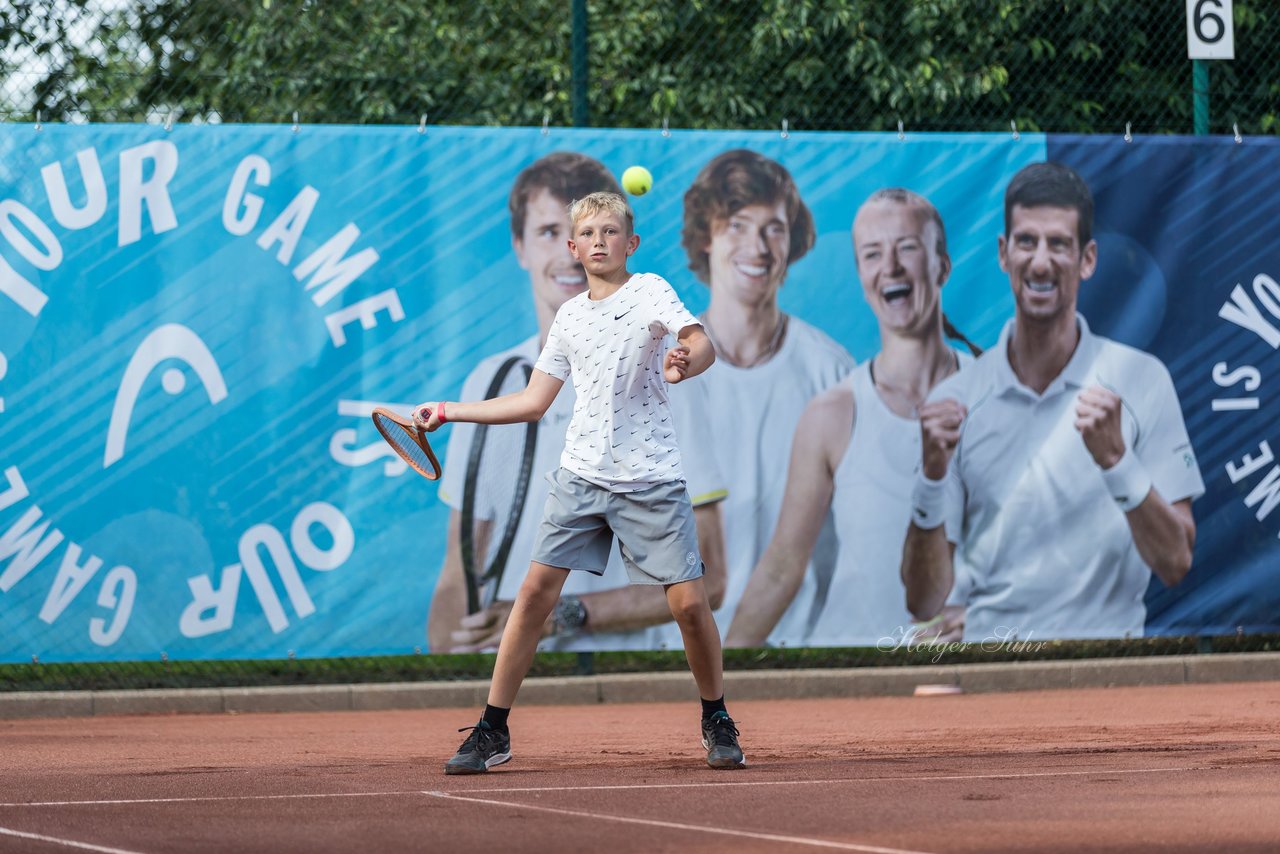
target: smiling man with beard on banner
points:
(1057, 466)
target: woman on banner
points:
(858, 445)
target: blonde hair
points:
(602, 201)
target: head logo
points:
(171, 341)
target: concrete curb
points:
(656, 687)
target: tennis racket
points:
(408, 441)
(494, 490)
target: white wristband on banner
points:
(1127, 481)
(928, 500)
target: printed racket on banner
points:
(408, 441)
(495, 489)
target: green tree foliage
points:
(1064, 65)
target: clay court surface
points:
(1182, 768)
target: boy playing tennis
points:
(620, 473)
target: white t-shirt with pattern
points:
(621, 436)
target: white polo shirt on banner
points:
(1050, 552)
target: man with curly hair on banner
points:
(745, 224)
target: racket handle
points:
(422, 414)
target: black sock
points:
(710, 707)
(495, 717)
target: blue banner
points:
(196, 324)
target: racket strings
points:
(405, 443)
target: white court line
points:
(4, 831)
(675, 825)
(817, 782)
(202, 799)
(624, 786)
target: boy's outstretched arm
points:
(691, 356)
(528, 404)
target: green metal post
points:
(581, 116)
(1200, 93)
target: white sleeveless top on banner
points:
(871, 506)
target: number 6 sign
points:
(1209, 31)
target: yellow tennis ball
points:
(636, 180)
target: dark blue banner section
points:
(1189, 265)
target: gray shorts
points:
(655, 530)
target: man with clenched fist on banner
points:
(1058, 463)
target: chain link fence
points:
(1089, 66)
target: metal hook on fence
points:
(666, 128)
(1235, 129)
(786, 132)
(546, 123)
(422, 124)
(1128, 135)
(1014, 128)
(901, 134)
(295, 121)
(39, 126)
(168, 122)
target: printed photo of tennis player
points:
(745, 224)
(857, 445)
(494, 477)
(1056, 468)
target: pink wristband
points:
(440, 414)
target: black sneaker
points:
(720, 738)
(483, 749)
